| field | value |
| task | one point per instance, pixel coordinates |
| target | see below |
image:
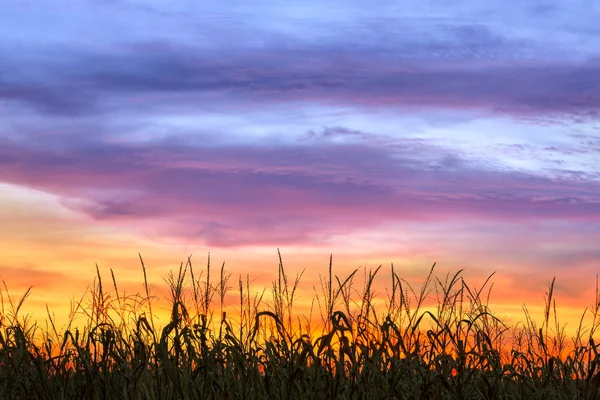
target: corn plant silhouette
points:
(362, 343)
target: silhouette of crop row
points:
(364, 347)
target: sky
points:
(465, 134)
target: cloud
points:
(141, 78)
(21, 278)
(233, 195)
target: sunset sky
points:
(464, 133)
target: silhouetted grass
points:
(365, 347)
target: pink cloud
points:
(233, 195)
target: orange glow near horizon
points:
(55, 250)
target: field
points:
(358, 344)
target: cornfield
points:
(353, 347)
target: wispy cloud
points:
(130, 79)
(22, 277)
(233, 195)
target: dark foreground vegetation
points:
(393, 345)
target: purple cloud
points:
(131, 78)
(232, 195)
